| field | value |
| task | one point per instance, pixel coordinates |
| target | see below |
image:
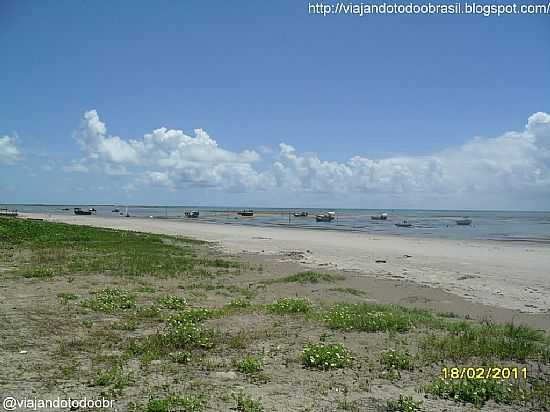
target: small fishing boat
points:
(80, 212)
(92, 210)
(116, 210)
(301, 214)
(65, 209)
(464, 221)
(382, 216)
(192, 214)
(325, 217)
(8, 213)
(404, 223)
(246, 212)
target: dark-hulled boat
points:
(80, 212)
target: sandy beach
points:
(502, 274)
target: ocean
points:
(531, 227)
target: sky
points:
(263, 104)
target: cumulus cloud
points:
(173, 158)
(9, 153)
(514, 162)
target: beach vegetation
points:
(307, 277)
(250, 365)
(245, 403)
(485, 341)
(403, 404)
(374, 317)
(290, 306)
(476, 391)
(180, 403)
(326, 356)
(110, 300)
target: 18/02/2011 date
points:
(486, 372)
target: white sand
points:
(510, 275)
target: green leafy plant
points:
(326, 356)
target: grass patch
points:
(62, 249)
(114, 377)
(172, 302)
(476, 391)
(290, 306)
(374, 318)
(326, 356)
(403, 404)
(110, 300)
(250, 365)
(307, 277)
(488, 341)
(180, 403)
(245, 403)
(349, 291)
(66, 297)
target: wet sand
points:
(500, 274)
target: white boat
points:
(464, 221)
(192, 214)
(382, 216)
(404, 223)
(325, 217)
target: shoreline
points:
(500, 274)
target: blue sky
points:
(405, 95)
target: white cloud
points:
(9, 153)
(513, 164)
(515, 161)
(178, 159)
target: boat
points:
(382, 216)
(92, 210)
(325, 217)
(301, 214)
(65, 209)
(8, 213)
(464, 221)
(80, 212)
(404, 223)
(116, 210)
(192, 214)
(246, 212)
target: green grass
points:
(250, 365)
(245, 403)
(290, 306)
(66, 297)
(476, 391)
(375, 318)
(114, 377)
(60, 249)
(180, 403)
(487, 341)
(307, 277)
(326, 356)
(403, 404)
(111, 300)
(398, 360)
(172, 302)
(349, 291)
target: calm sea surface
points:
(487, 225)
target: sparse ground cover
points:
(162, 323)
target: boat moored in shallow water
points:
(464, 221)
(192, 214)
(404, 223)
(325, 217)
